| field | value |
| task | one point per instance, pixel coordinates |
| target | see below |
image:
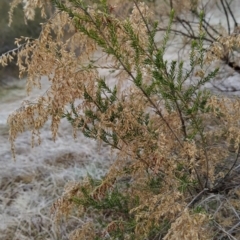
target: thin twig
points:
(209, 34)
(223, 230)
(185, 34)
(160, 114)
(234, 163)
(17, 49)
(145, 22)
(181, 119)
(231, 13)
(226, 15)
(207, 24)
(196, 197)
(189, 28)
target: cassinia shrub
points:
(177, 144)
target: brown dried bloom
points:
(189, 226)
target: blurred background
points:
(8, 34)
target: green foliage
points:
(114, 205)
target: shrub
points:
(177, 144)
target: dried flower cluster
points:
(176, 143)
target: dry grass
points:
(30, 185)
